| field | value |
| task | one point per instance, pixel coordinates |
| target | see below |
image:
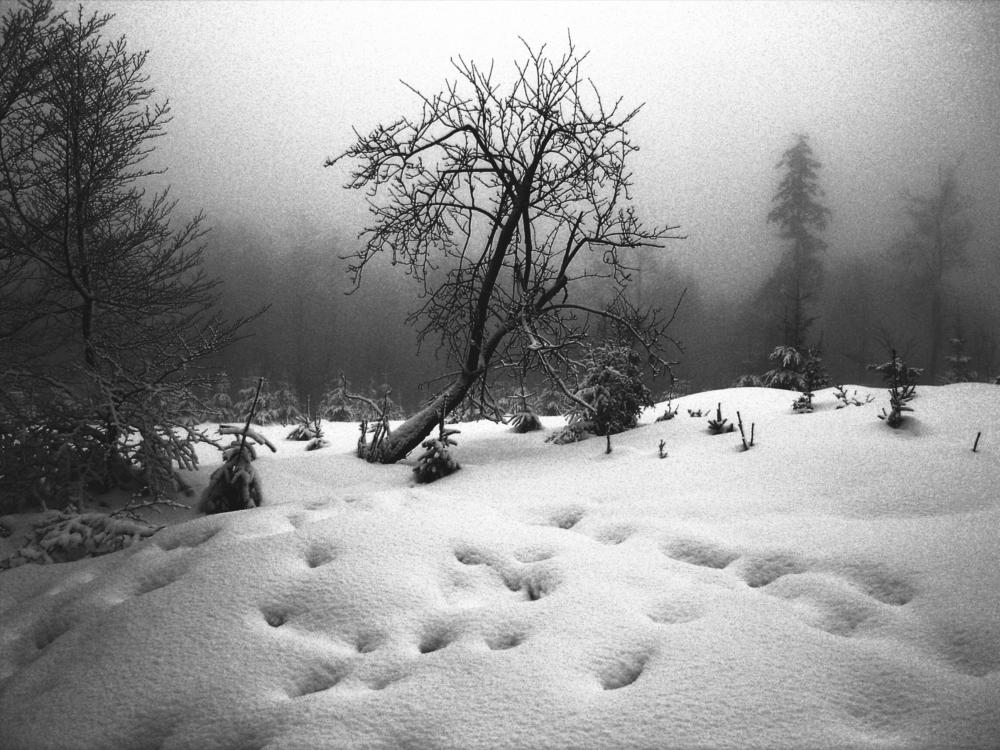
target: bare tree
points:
(106, 309)
(933, 245)
(499, 201)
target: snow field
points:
(835, 586)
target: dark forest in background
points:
(871, 299)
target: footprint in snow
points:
(763, 569)
(436, 637)
(699, 552)
(615, 534)
(624, 670)
(192, 534)
(506, 639)
(319, 677)
(319, 553)
(534, 553)
(676, 610)
(567, 518)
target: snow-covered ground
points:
(837, 585)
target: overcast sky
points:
(263, 92)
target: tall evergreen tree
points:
(800, 218)
(932, 246)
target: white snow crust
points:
(837, 585)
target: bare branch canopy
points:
(503, 199)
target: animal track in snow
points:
(675, 611)
(879, 582)
(535, 583)
(699, 552)
(436, 638)
(319, 554)
(167, 572)
(532, 582)
(760, 570)
(192, 535)
(834, 596)
(506, 639)
(365, 643)
(826, 601)
(321, 677)
(384, 679)
(470, 556)
(533, 554)
(624, 671)
(51, 628)
(567, 518)
(275, 616)
(968, 650)
(614, 534)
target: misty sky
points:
(263, 92)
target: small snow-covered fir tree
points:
(901, 379)
(524, 418)
(611, 395)
(797, 369)
(957, 361)
(335, 406)
(281, 405)
(276, 403)
(720, 425)
(220, 403)
(236, 485)
(436, 461)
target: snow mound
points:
(837, 585)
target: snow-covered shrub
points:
(678, 388)
(958, 362)
(236, 484)
(68, 534)
(276, 404)
(525, 421)
(845, 399)
(550, 402)
(436, 461)
(306, 429)
(317, 442)
(524, 418)
(720, 424)
(68, 443)
(668, 413)
(340, 404)
(574, 432)
(220, 404)
(902, 387)
(280, 405)
(797, 369)
(335, 406)
(748, 381)
(612, 389)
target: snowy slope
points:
(838, 585)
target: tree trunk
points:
(412, 432)
(937, 328)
